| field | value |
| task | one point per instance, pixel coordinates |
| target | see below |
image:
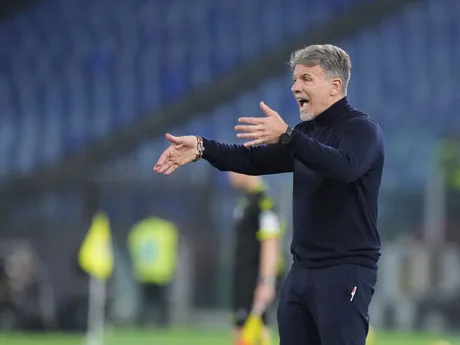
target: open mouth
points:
(303, 102)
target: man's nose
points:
(295, 88)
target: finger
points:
(267, 110)
(162, 160)
(253, 143)
(165, 167)
(252, 128)
(255, 135)
(252, 120)
(173, 139)
(171, 169)
(157, 168)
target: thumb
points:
(173, 139)
(267, 110)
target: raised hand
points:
(181, 151)
(262, 130)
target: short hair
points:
(334, 61)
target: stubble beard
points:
(304, 116)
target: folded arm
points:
(257, 160)
(360, 146)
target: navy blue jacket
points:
(337, 160)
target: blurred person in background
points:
(25, 292)
(153, 246)
(258, 259)
(7, 310)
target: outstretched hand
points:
(262, 130)
(181, 151)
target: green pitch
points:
(196, 338)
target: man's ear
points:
(336, 86)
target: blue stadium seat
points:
(404, 75)
(94, 66)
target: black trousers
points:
(326, 306)
(154, 305)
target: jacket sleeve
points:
(257, 160)
(360, 146)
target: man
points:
(258, 255)
(28, 297)
(336, 155)
(153, 243)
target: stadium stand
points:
(72, 71)
(392, 79)
(40, 127)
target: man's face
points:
(312, 90)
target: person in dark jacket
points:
(336, 155)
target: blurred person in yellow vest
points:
(258, 260)
(153, 244)
(449, 160)
(449, 156)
